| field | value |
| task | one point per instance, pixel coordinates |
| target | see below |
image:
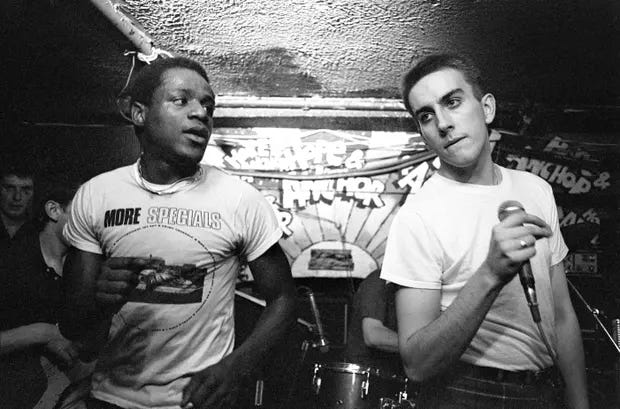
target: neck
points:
(157, 170)
(484, 173)
(53, 248)
(12, 225)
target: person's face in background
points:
(16, 196)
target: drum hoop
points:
(349, 367)
(344, 367)
(383, 374)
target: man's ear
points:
(138, 113)
(53, 209)
(488, 106)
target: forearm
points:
(377, 336)
(435, 347)
(571, 361)
(82, 320)
(26, 336)
(273, 323)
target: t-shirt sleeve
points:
(80, 230)
(558, 247)
(258, 224)
(413, 254)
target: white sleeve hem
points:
(88, 247)
(273, 239)
(425, 285)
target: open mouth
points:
(201, 133)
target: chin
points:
(189, 159)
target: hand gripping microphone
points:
(323, 343)
(525, 273)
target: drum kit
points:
(344, 385)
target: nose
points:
(17, 195)
(197, 110)
(444, 121)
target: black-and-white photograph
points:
(309, 204)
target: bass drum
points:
(342, 385)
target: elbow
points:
(418, 370)
(369, 340)
(415, 374)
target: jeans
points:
(463, 391)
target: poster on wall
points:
(335, 193)
(583, 185)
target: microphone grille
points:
(508, 207)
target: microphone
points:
(525, 273)
(323, 343)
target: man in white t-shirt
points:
(157, 248)
(464, 326)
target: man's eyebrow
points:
(443, 100)
(423, 109)
(450, 94)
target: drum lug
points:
(402, 395)
(316, 379)
(365, 385)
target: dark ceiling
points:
(63, 61)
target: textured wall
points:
(65, 61)
(361, 47)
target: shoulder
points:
(526, 180)
(226, 181)
(427, 200)
(110, 177)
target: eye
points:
(453, 102)
(209, 108)
(180, 101)
(425, 117)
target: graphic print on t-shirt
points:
(171, 277)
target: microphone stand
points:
(304, 348)
(595, 313)
(615, 339)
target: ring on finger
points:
(523, 244)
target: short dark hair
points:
(61, 193)
(142, 86)
(20, 169)
(437, 62)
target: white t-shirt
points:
(441, 236)
(205, 231)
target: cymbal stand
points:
(595, 313)
(614, 339)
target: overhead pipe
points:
(308, 103)
(130, 27)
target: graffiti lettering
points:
(558, 174)
(602, 181)
(265, 156)
(365, 190)
(570, 218)
(284, 217)
(415, 177)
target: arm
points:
(81, 319)
(215, 385)
(429, 341)
(94, 290)
(570, 349)
(378, 336)
(39, 334)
